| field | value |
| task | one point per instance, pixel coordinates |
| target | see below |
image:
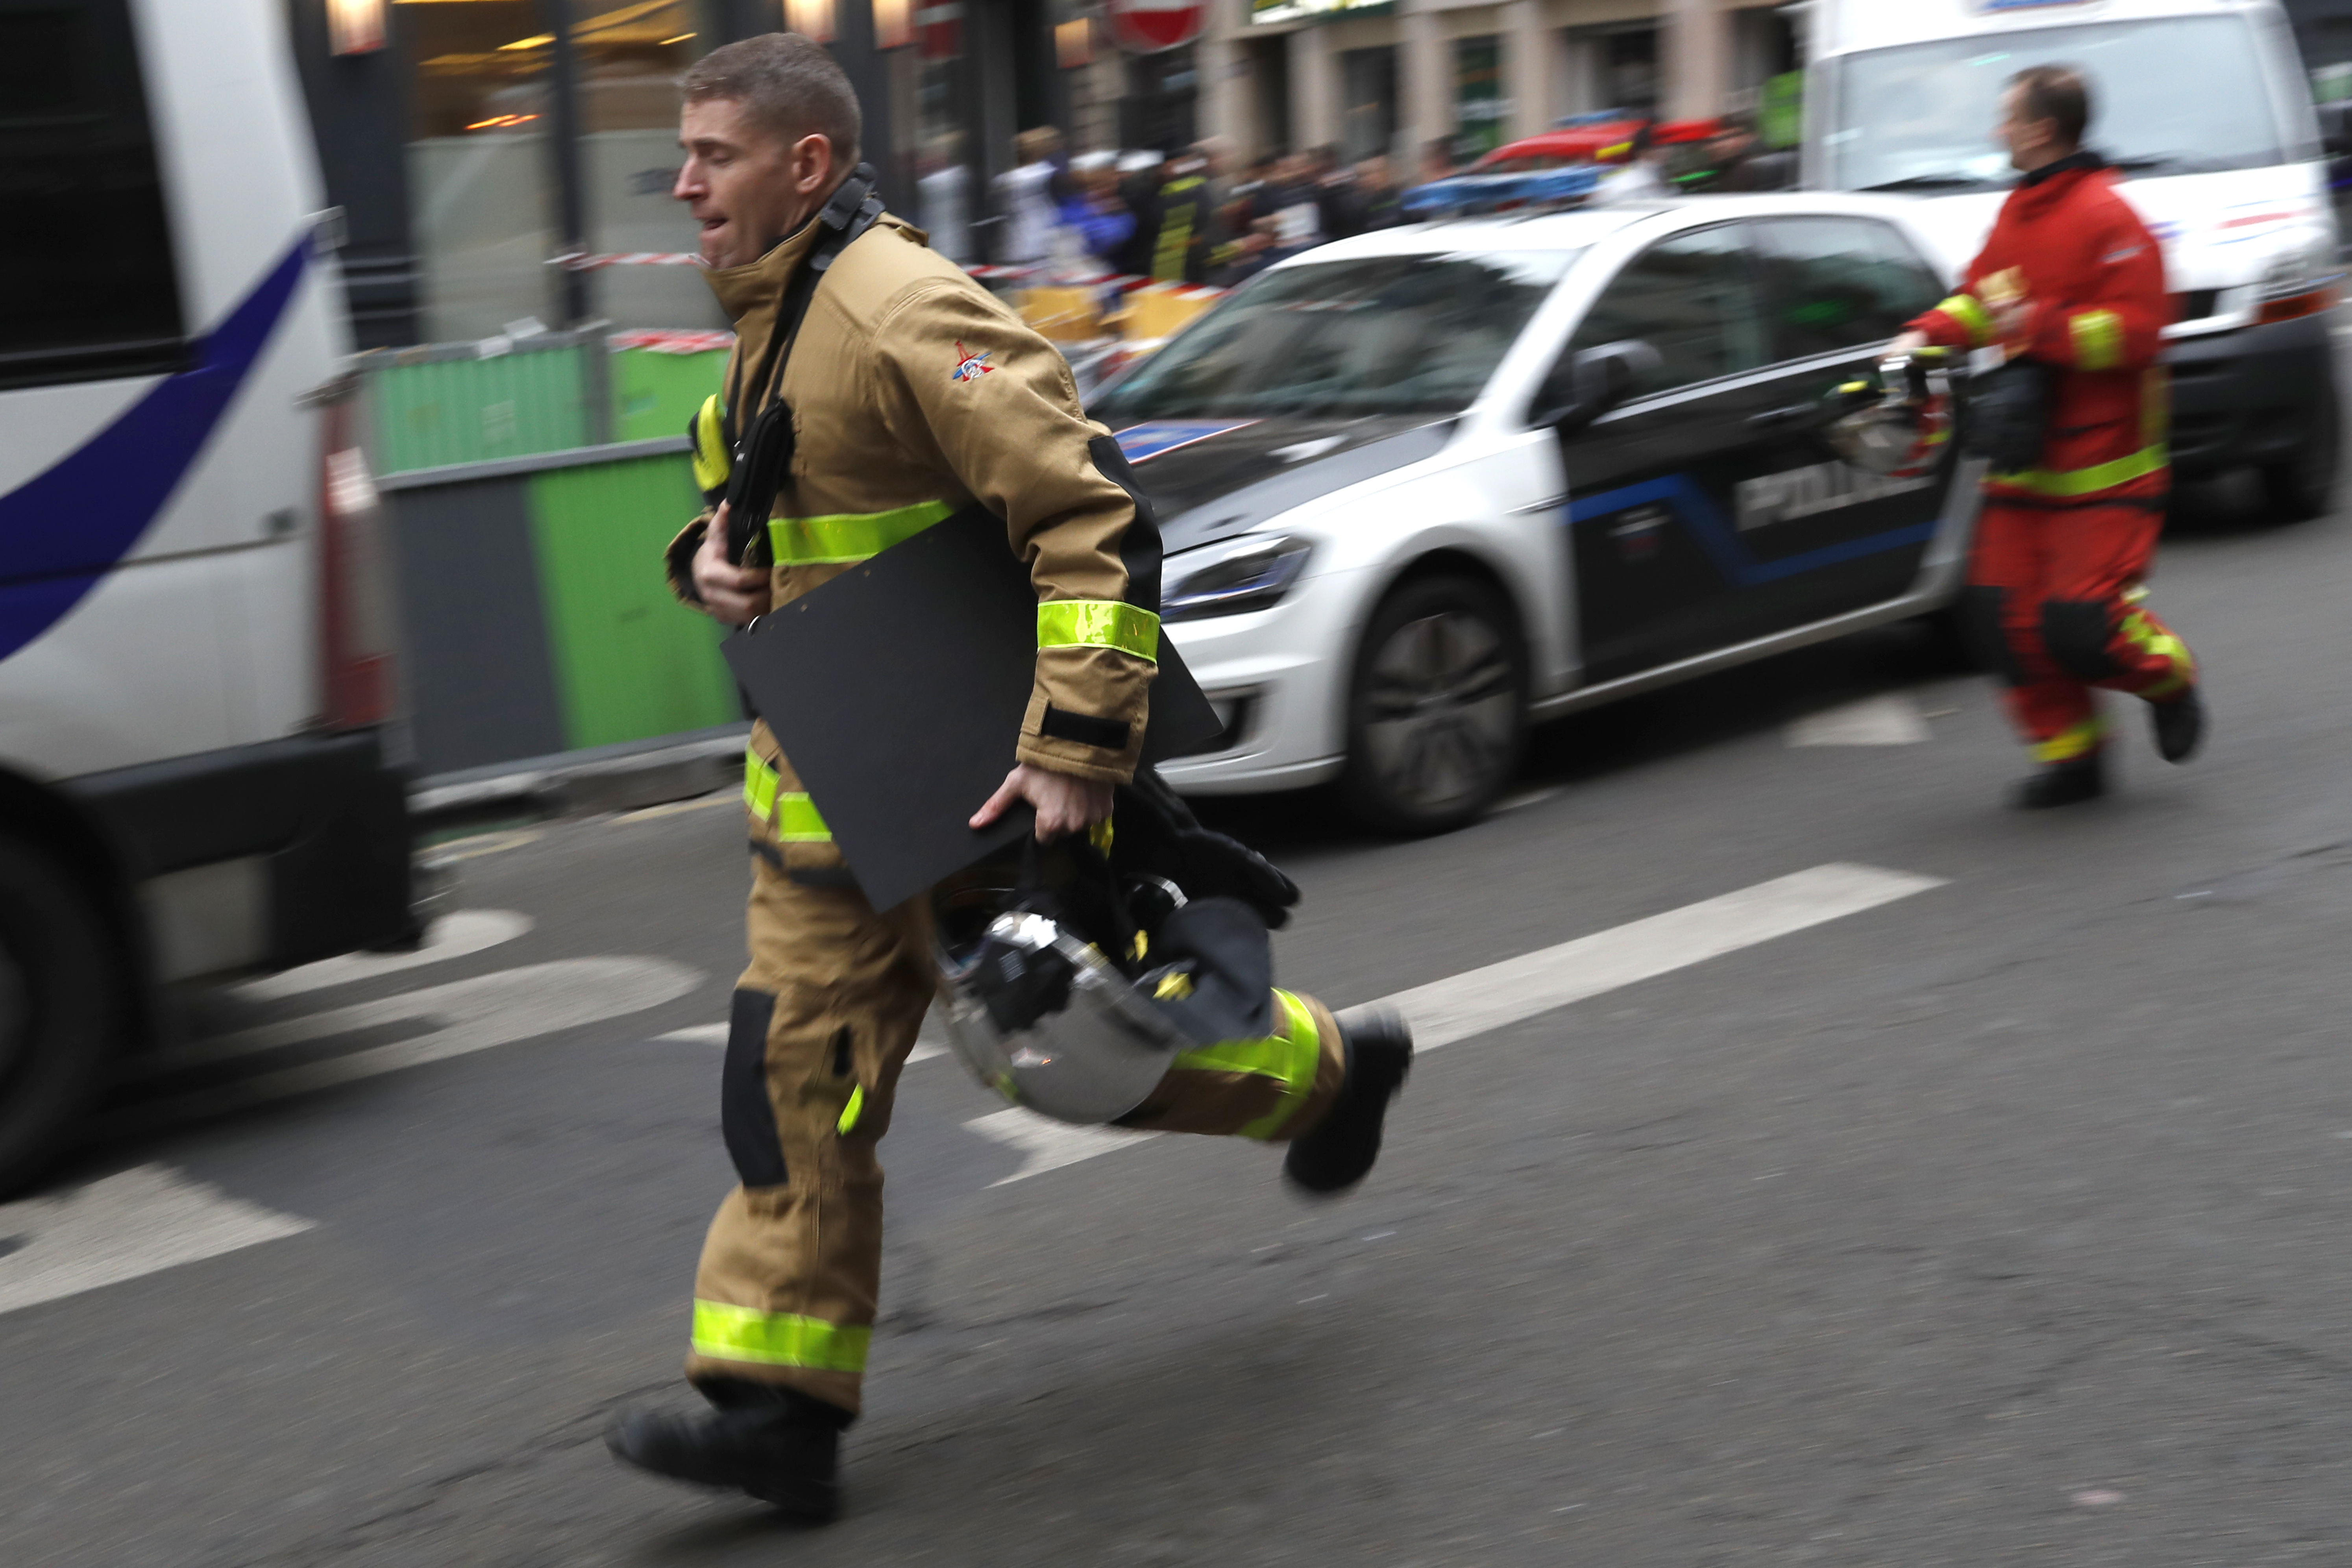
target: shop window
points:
(1368, 78)
(945, 102)
(481, 176)
(87, 285)
(632, 59)
(1479, 107)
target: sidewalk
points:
(621, 777)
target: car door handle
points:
(1793, 414)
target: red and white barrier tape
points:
(671, 340)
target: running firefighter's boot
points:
(2179, 725)
(778, 1443)
(2069, 783)
(1340, 1150)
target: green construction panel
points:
(630, 660)
(655, 394)
(434, 412)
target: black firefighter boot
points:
(776, 1442)
(1340, 1150)
(2179, 723)
(2069, 783)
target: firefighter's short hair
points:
(788, 85)
(2055, 93)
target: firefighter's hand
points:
(736, 594)
(1065, 803)
(1908, 343)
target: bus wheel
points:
(64, 993)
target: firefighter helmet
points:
(1072, 975)
(1901, 426)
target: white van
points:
(196, 685)
(2203, 105)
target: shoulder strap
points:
(762, 452)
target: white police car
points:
(1419, 488)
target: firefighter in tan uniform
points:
(912, 393)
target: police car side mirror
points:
(1598, 379)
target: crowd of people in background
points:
(1194, 217)
(1190, 218)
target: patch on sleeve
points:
(969, 367)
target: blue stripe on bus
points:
(1721, 541)
(63, 530)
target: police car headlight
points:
(1248, 575)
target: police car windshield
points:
(1386, 334)
(2174, 95)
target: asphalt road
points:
(1998, 1222)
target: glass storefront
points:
(491, 137)
(480, 174)
(630, 60)
(1479, 106)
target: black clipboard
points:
(897, 691)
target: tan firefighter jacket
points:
(913, 393)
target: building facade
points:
(1475, 73)
(473, 145)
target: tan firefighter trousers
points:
(823, 1019)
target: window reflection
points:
(630, 59)
(478, 169)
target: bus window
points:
(88, 289)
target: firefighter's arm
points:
(2120, 325)
(1961, 321)
(961, 378)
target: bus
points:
(199, 735)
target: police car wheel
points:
(1437, 711)
(2304, 486)
(63, 988)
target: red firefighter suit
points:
(2054, 588)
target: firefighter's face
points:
(746, 187)
(2028, 141)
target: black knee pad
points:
(1979, 614)
(2076, 633)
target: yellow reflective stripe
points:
(1098, 623)
(711, 464)
(849, 536)
(778, 1339)
(2085, 481)
(849, 1112)
(2098, 340)
(797, 817)
(2074, 740)
(1973, 317)
(760, 782)
(2141, 632)
(1292, 1058)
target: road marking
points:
(463, 1016)
(120, 1228)
(1045, 1144)
(1481, 1000)
(715, 1034)
(1500, 993)
(1891, 720)
(451, 936)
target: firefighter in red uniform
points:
(2072, 281)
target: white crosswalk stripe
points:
(139, 1221)
(452, 936)
(1481, 1000)
(1891, 719)
(120, 1228)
